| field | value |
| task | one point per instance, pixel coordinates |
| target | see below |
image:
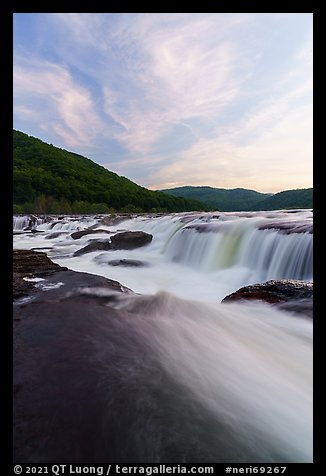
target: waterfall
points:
(213, 254)
(248, 365)
(196, 377)
(21, 222)
(239, 242)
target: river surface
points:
(249, 364)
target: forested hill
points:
(300, 198)
(240, 199)
(52, 180)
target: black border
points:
(6, 32)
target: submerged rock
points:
(291, 295)
(113, 221)
(54, 235)
(79, 234)
(94, 246)
(288, 227)
(129, 240)
(127, 262)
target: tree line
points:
(47, 179)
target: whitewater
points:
(245, 367)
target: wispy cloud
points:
(180, 77)
(279, 155)
(58, 102)
(217, 99)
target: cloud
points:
(217, 99)
(180, 75)
(59, 104)
(276, 156)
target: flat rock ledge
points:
(127, 240)
(291, 295)
(28, 263)
(33, 264)
(79, 234)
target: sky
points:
(167, 100)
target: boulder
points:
(288, 227)
(112, 221)
(127, 262)
(79, 234)
(94, 246)
(54, 235)
(291, 295)
(129, 240)
(30, 263)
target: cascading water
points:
(267, 253)
(210, 254)
(21, 222)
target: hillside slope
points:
(300, 198)
(52, 180)
(240, 199)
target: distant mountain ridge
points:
(47, 179)
(241, 199)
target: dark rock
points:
(91, 387)
(37, 231)
(205, 227)
(94, 246)
(112, 221)
(28, 263)
(288, 227)
(129, 240)
(20, 287)
(127, 262)
(86, 374)
(54, 235)
(78, 234)
(31, 223)
(288, 294)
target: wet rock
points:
(94, 246)
(130, 240)
(112, 221)
(79, 234)
(30, 263)
(127, 262)
(85, 375)
(291, 295)
(204, 227)
(54, 235)
(288, 227)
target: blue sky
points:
(172, 99)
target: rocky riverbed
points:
(150, 366)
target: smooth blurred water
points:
(247, 365)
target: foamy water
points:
(248, 364)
